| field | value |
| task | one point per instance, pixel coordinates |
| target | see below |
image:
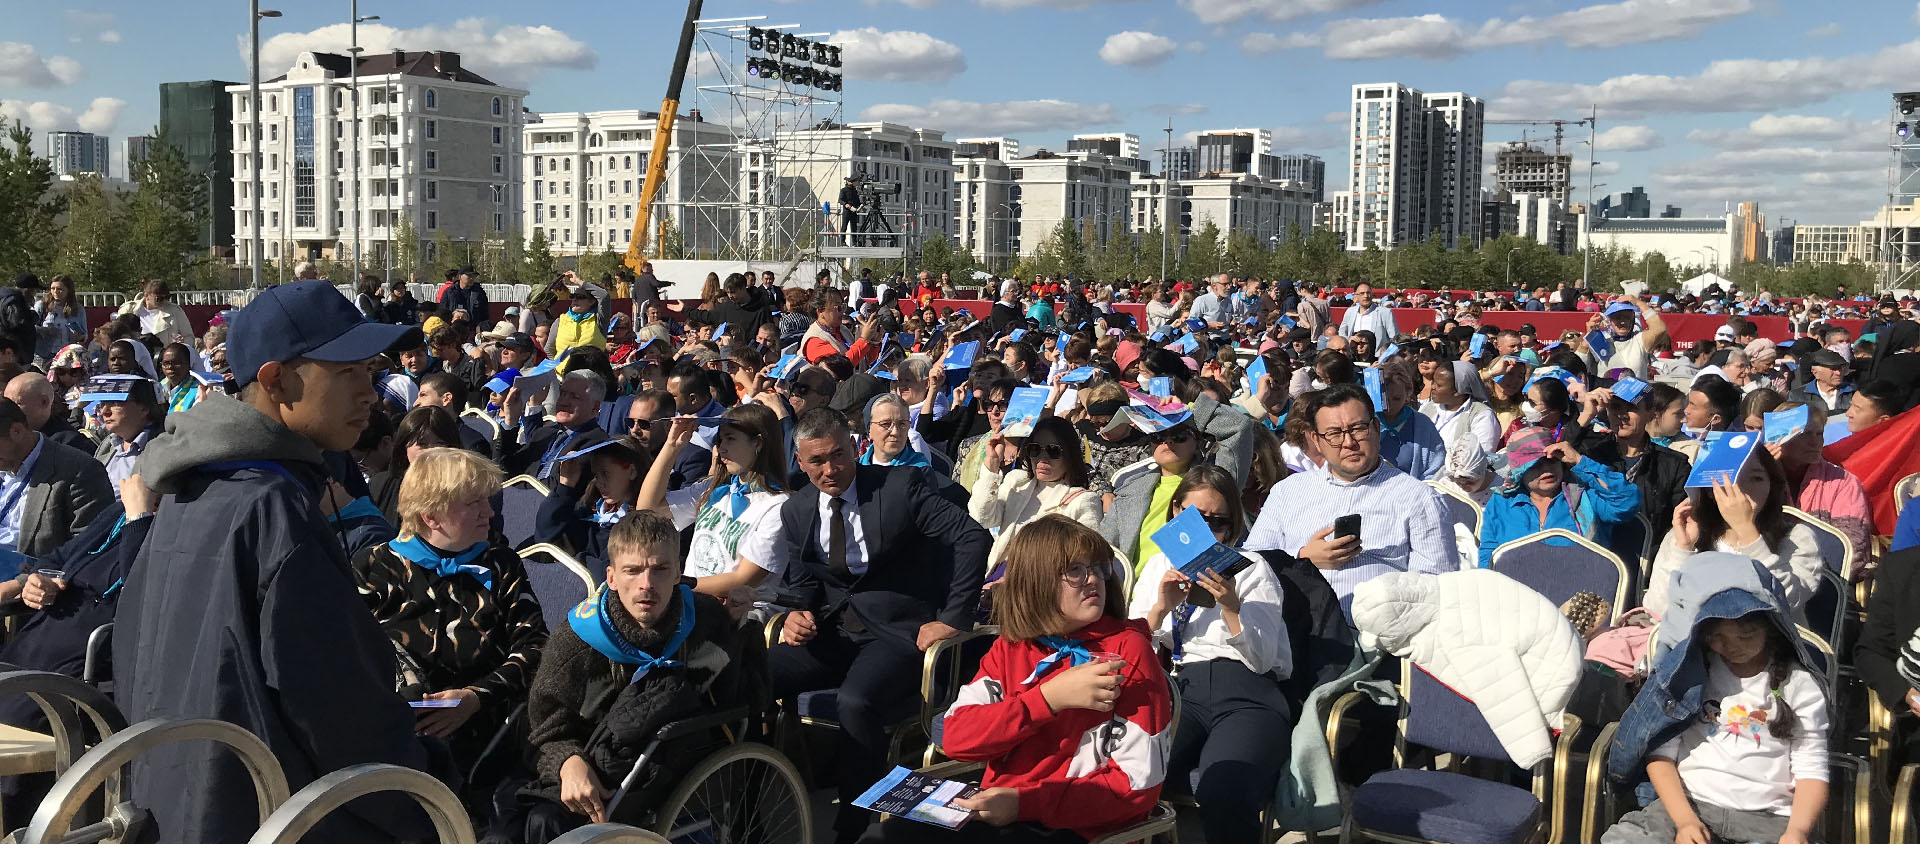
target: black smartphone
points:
(1347, 525)
(1200, 597)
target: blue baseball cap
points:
(1621, 307)
(305, 319)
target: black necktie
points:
(837, 543)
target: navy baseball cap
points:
(305, 319)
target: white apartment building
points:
(439, 148)
(1089, 191)
(584, 172)
(1116, 144)
(1710, 242)
(985, 203)
(1415, 165)
(72, 153)
(1829, 244)
(811, 165)
(1233, 202)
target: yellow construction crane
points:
(662, 139)
(1559, 127)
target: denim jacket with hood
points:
(1711, 585)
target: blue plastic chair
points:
(1559, 563)
(520, 500)
(1632, 542)
(613, 414)
(1420, 805)
(558, 580)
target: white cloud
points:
(22, 66)
(1813, 184)
(1256, 43)
(961, 118)
(897, 55)
(1435, 36)
(1135, 48)
(1728, 85)
(1773, 129)
(110, 36)
(1826, 30)
(911, 4)
(1605, 168)
(1196, 46)
(1308, 138)
(508, 54)
(1628, 139)
(99, 117)
(1055, 4)
(1215, 12)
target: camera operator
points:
(849, 207)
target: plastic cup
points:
(51, 574)
(1101, 656)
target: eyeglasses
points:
(898, 425)
(1170, 437)
(1080, 573)
(1219, 523)
(1354, 433)
(1049, 451)
(804, 390)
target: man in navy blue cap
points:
(1623, 347)
(241, 606)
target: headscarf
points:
(141, 357)
(70, 356)
(1762, 353)
(1895, 338)
(1466, 382)
(1523, 452)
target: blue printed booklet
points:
(1190, 547)
(1477, 345)
(961, 355)
(1784, 425)
(1256, 371)
(1187, 344)
(1391, 350)
(786, 367)
(1016, 334)
(1723, 459)
(1079, 375)
(1023, 411)
(1376, 389)
(1160, 388)
(918, 797)
(1629, 389)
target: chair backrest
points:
(1435, 716)
(559, 582)
(1827, 608)
(1835, 548)
(1558, 563)
(1823, 651)
(296, 817)
(1905, 490)
(1461, 510)
(520, 500)
(105, 763)
(480, 423)
(613, 414)
(1632, 542)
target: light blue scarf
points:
(592, 623)
(1071, 651)
(415, 550)
(735, 493)
(909, 457)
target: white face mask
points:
(1531, 412)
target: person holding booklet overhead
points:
(735, 512)
(1044, 473)
(1070, 710)
(1736, 499)
(594, 488)
(1217, 609)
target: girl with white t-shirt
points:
(735, 512)
(1753, 766)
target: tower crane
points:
(1559, 127)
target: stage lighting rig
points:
(756, 38)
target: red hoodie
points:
(1078, 769)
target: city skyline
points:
(1704, 103)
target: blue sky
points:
(1703, 102)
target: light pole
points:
(210, 213)
(1716, 258)
(253, 109)
(353, 75)
(1006, 243)
(1510, 268)
(1166, 201)
(1586, 216)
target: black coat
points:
(744, 321)
(1661, 475)
(1317, 630)
(242, 607)
(520, 458)
(926, 558)
(1892, 614)
(473, 300)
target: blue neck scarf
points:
(415, 550)
(1071, 651)
(734, 492)
(604, 518)
(578, 317)
(907, 457)
(592, 623)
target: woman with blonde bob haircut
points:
(1069, 670)
(461, 616)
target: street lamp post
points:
(353, 75)
(1166, 201)
(1006, 242)
(1510, 268)
(253, 109)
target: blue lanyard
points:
(1182, 616)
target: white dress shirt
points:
(856, 535)
(13, 496)
(1403, 525)
(1262, 644)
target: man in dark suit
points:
(526, 448)
(879, 568)
(48, 492)
(692, 396)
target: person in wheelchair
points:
(1070, 711)
(642, 651)
(465, 626)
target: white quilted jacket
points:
(1487, 636)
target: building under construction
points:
(1521, 167)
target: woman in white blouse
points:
(735, 513)
(1020, 482)
(1743, 517)
(1230, 653)
(1457, 404)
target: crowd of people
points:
(294, 519)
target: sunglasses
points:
(1219, 523)
(639, 424)
(991, 406)
(1170, 437)
(1049, 451)
(803, 390)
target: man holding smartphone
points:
(1362, 517)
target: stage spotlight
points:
(756, 38)
(753, 67)
(1902, 130)
(787, 43)
(819, 53)
(833, 56)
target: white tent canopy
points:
(1694, 285)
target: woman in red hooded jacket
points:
(1070, 711)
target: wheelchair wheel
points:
(746, 793)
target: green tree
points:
(445, 257)
(595, 264)
(1324, 257)
(1246, 256)
(406, 249)
(671, 244)
(1204, 255)
(537, 264)
(91, 248)
(28, 209)
(936, 256)
(165, 214)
